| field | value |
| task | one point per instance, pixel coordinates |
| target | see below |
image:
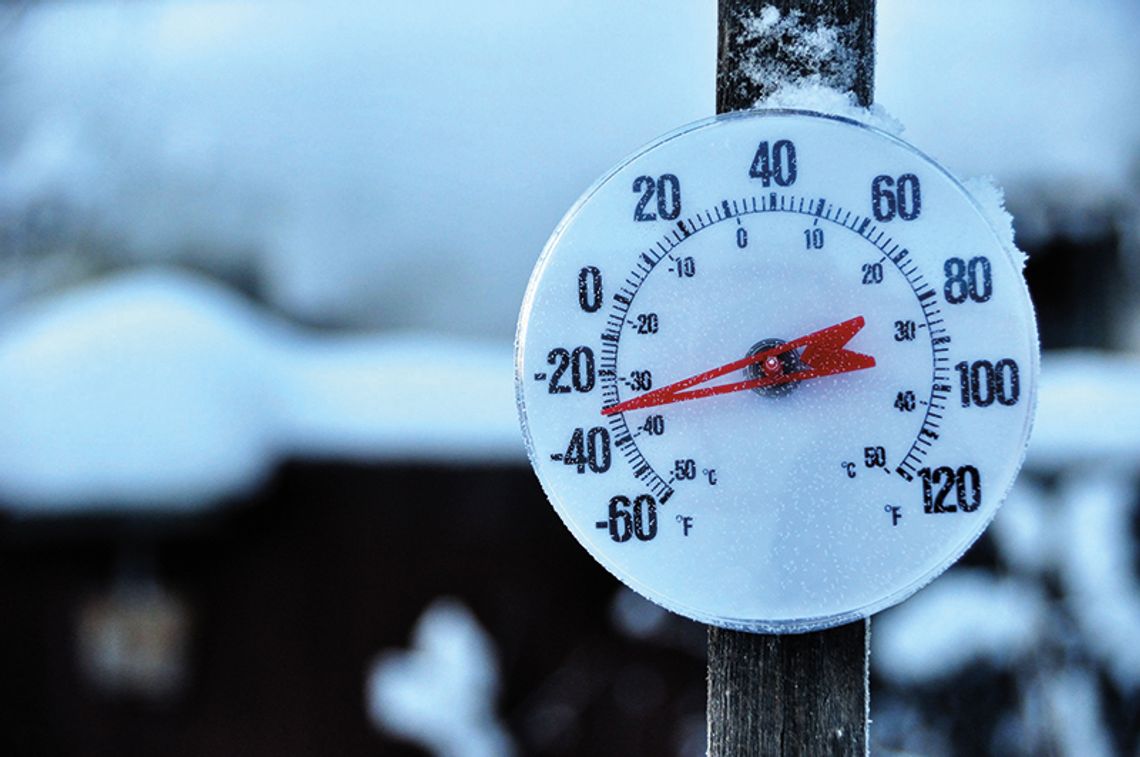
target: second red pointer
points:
(823, 355)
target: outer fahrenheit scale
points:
(776, 371)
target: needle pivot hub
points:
(773, 365)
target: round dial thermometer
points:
(776, 371)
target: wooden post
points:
(799, 694)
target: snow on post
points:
(766, 47)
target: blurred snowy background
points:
(261, 482)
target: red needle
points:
(823, 355)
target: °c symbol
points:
(849, 467)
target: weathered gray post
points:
(802, 694)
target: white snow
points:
(815, 45)
(966, 616)
(146, 390)
(823, 99)
(990, 199)
(1027, 532)
(1088, 411)
(163, 390)
(1097, 567)
(1074, 702)
(441, 693)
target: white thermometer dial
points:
(776, 371)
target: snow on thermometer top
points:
(776, 371)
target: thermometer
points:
(777, 370)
